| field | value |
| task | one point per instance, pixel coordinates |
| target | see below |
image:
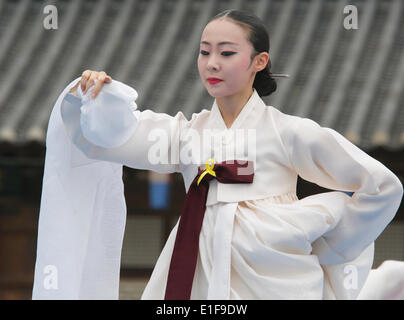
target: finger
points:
(106, 77)
(84, 77)
(98, 86)
(91, 81)
(102, 76)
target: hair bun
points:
(264, 83)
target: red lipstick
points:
(214, 80)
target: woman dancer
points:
(243, 233)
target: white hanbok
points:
(258, 240)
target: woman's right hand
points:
(90, 78)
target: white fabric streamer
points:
(83, 210)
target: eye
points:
(228, 53)
(205, 53)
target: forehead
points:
(224, 30)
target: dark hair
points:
(264, 83)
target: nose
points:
(212, 64)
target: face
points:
(225, 54)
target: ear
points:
(261, 61)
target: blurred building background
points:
(350, 80)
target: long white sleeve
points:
(81, 221)
(109, 128)
(111, 118)
(323, 156)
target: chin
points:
(216, 93)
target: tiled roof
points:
(348, 80)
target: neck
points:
(231, 106)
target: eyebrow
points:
(220, 43)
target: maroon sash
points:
(185, 254)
